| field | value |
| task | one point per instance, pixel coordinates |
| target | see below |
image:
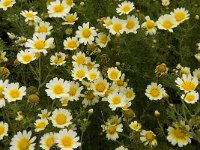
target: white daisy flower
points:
(58, 59)
(39, 43)
(155, 91)
(86, 34)
(61, 118)
(79, 72)
(71, 43)
(116, 100)
(180, 15)
(47, 141)
(57, 88)
(67, 140)
(70, 19)
(113, 73)
(25, 57)
(3, 130)
(166, 22)
(100, 86)
(148, 138)
(58, 9)
(150, 26)
(13, 92)
(28, 15)
(23, 141)
(102, 40)
(74, 91)
(132, 24)
(187, 83)
(190, 97)
(43, 27)
(117, 26)
(5, 4)
(125, 7)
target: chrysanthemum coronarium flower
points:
(166, 22)
(79, 72)
(40, 124)
(3, 130)
(25, 57)
(58, 9)
(67, 139)
(90, 98)
(150, 26)
(128, 93)
(125, 7)
(180, 14)
(28, 15)
(5, 4)
(61, 118)
(135, 126)
(43, 27)
(187, 83)
(45, 114)
(23, 141)
(102, 40)
(132, 24)
(86, 34)
(14, 92)
(116, 100)
(70, 19)
(74, 91)
(155, 91)
(148, 138)
(39, 43)
(93, 74)
(100, 86)
(117, 27)
(179, 134)
(80, 59)
(47, 141)
(114, 73)
(71, 43)
(3, 85)
(161, 69)
(196, 73)
(190, 97)
(57, 88)
(58, 59)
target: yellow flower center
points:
(155, 92)
(50, 142)
(113, 75)
(126, 8)
(23, 144)
(188, 86)
(27, 58)
(108, 22)
(179, 16)
(150, 137)
(116, 100)
(92, 76)
(117, 27)
(61, 119)
(103, 39)
(40, 44)
(42, 29)
(190, 97)
(58, 60)
(72, 91)
(71, 44)
(45, 115)
(1, 91)
(90, 96)
(6, 3)
(128, 94)
(14, 93)
(29, 15)
(41, 125)
(86, 33)
(58, 8)
(71, 18)
(80, 74)
(58, 89)
(69, 2)
(130, 24)
(150, 24)
(112, 129)
(100, 87)
(108, 92)
(167, 24)
(80, 60)
(2, 130)
(120, 83)
(178, 133)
